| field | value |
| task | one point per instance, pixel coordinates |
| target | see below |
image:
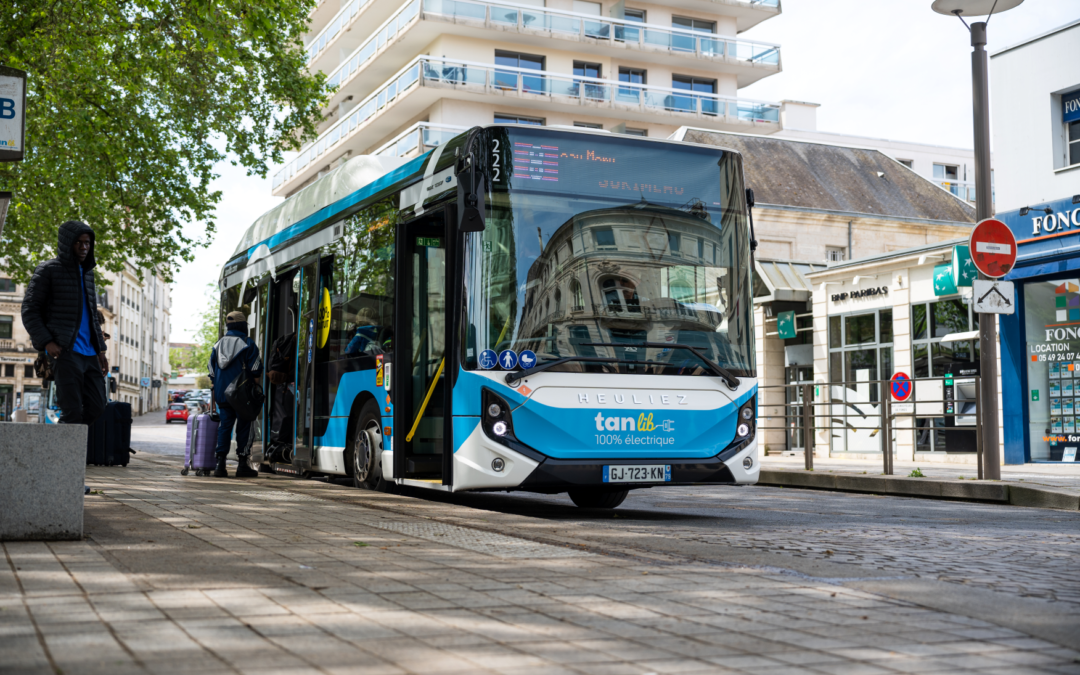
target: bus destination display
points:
(613, 168)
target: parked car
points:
(176, 411)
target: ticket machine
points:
(961, 416)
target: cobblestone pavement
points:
(227, 576)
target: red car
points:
(176, 411)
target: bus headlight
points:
(748, 463)
(497, 421)
(747, 413)
(743, 430)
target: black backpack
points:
(245, 395)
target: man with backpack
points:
(233, 354)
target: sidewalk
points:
(279, 576)
(1051, 485)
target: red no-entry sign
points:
(901, 386)
(993, 248)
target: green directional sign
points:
(785, 323)
(963, 269)
(943, 280)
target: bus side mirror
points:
(112, 385)
(750, 197)
(470, 201)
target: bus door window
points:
(427, 371)
(305, 285)
(323, 385)
(281, 367)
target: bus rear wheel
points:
(593, 499)
(366, 449)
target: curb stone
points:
(926, 488)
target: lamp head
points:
(967, 8)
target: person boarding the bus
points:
(232, 353)
(281, 371)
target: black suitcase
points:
(108, 440)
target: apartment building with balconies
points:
(411, 73)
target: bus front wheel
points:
(367, 449)
(592, 499)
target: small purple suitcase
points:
(201, 442)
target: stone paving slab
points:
(183, 575)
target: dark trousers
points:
(281, 416)
(227, 419)
(80, 387)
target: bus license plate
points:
(642, 473)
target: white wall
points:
(1025, 86)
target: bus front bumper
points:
(727, 468)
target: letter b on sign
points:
(7, 108)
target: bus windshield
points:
(595, 246)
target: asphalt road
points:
(1013, 562)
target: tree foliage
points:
(130, 104)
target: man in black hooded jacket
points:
(59, 312)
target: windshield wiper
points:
(728, 376)
(518, 374)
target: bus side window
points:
(364, 279)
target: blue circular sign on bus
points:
(527, 359)
(508, 359)
(488, 359)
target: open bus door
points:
(422, 366)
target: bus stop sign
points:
(901, 387)
(993, 248)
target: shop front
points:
(1040, 343)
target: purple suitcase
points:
(201, 442)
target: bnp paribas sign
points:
(12, 114)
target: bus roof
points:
(355, 174)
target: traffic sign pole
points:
(980, 94)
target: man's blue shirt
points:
(83, 344)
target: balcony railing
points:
(421, 136)
(532, 19)
(490, 79)
(961, 188)
(340, 21)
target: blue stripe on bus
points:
(463, 428)
(349, 387)
(404, 171)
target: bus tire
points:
(365, 450)
(593, 499)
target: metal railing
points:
(421, 136)
(866, 409)
(486, 78)
(503, 15)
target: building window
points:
(593, 90)
(588, 125)
(9, 370)
(833, 254)
(696, 25)
(636, 132)
(512, 79)
(860, 352)
(7, 286)
(930, 357)
(620, 295)
(1073, 136)
(909, 163)
(635, 15)
(605, 238)
(503, 118)
(28, 372)
(631, 76)
(6, 324)
(689, 102)
(946, 172)
(1053, 384)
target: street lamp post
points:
(984, 208)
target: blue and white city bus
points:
(521, 308)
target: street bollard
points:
(886, 437)
(808, 425)
(978, 429)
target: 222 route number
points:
(496, 158)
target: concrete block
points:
(913, 487)
(804, 479)
(41, 482)
(1043, 498)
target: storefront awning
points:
(783, 280)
